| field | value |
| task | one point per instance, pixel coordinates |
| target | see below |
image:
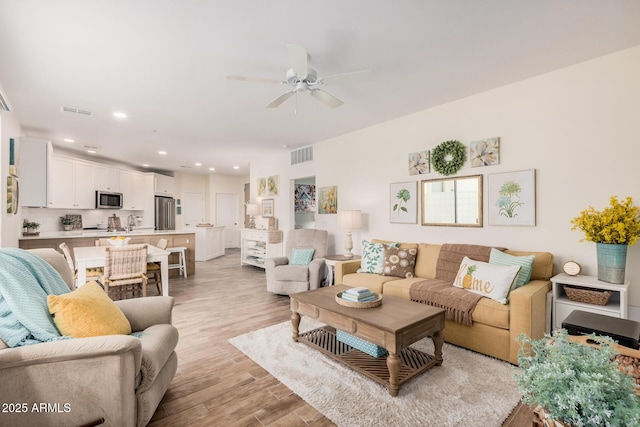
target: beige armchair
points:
(119, 378)
(284, 278)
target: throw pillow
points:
(525, 262)
(87, 312)
(488, 280)
(399, 262)
(373, 257)
(301, 256)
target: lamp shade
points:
(253, 209)
(350, 220)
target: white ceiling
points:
(164, 63)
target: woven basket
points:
(353, 304)
(587, 295)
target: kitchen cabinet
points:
(34, 171)
(258, 245)
(163, 185)
(71, 184)
(132, 189)
(107, 179)
(209, 242)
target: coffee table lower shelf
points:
(413, 362)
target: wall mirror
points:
(452, 201)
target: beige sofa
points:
(118, 378)
(495, 326)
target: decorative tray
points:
(353, 304)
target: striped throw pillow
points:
(525, 262)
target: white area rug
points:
(468, 389)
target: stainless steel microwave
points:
(108, 200)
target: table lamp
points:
(252, 209)
(349, 220)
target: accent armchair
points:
(288, 274)
(120, 379)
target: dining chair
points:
(92, 273)
(153, 268)
(125, 271)
(102, 242)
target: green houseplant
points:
(30, 227)
(576, 384)
(67, 223)
(613, 229)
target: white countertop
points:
(100, 233)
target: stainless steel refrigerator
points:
(165, 213)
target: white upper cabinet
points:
(107, 179)
(34, 171)
(163, 185)
(132, 189)
(71, 184)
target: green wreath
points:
(453, 149)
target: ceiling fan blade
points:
(299, 59)
(356, 76)
(253, 79)
(279, 100)
(326, 98)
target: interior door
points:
(227, 216)
(192, 209)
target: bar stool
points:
(182, 260)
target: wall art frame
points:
(419, 163)
(512, 198)
(485, 152)
(328, 200)
(268, 208)
(273, 184)
(403, 202)
(261, 187)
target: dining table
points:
(93, 256)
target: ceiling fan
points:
(304, 79)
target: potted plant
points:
(30, 228)
(613, 229)
(67, 223)
(576, 385)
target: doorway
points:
(227, 215)
(304, 205)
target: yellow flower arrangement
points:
(617, 224)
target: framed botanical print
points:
(512, 198)
(403, 203)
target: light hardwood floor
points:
(216, 384)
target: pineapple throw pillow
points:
(489, 280)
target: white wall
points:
(578, 127)
(9, 224)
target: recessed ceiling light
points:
(236, 167)
(144, 165)
(120, 115)
(198, 164)
(162, 153)
(212, 169)
(68, 140)
(91, 151)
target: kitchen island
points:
(78, 238)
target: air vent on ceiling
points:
(185, 167)
(4, 105)
(76, 111)
(302, 155)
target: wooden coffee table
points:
(393, 325)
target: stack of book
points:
(359, 294)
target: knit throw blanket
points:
(25, 282)
(458, 303)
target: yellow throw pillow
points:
(87, 312)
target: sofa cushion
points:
(492, 313)
(87, 312)
(399, 262)
(427, 260)
(291, 273)
(451, 255)
(543, 266)
(488, 280)
(372, 257)
(525, 262)
(370, 281)
(301, 256)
